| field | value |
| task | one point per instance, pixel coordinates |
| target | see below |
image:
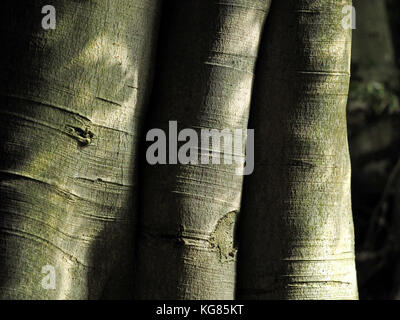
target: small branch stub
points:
(84, 137)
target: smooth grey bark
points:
(296, 229)
(71, 103)
(186, 245)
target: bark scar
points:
(223, 238)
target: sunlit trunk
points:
(296, 231)
(70, 103)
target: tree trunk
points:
(373, 53)
(70, 103)
(296, 231)
(187, 248)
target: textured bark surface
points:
(186, 247)
(72, 105)
(296, 229)
(70, 101)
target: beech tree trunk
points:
(373, 52)
(71, 103)
(296, 231)
(189, 212)
(72, 123)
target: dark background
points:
(374, 138)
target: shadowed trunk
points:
(189, 211)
